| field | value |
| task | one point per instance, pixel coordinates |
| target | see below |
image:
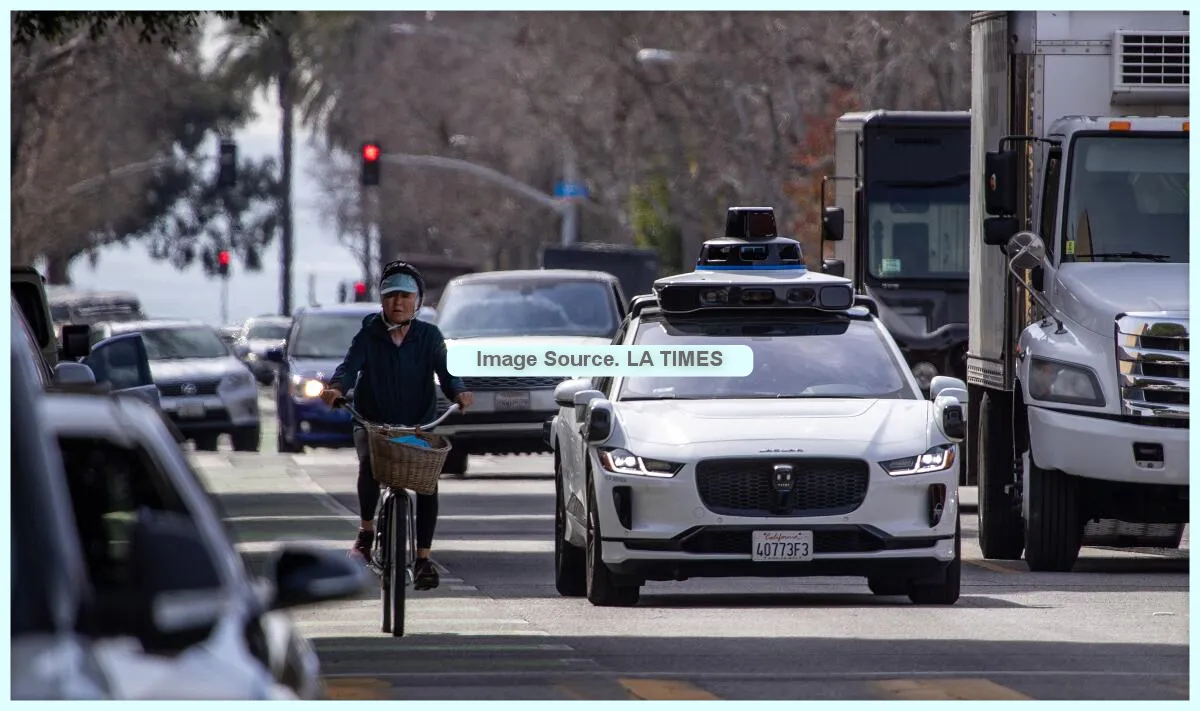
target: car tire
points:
(456, 461)
(206, 443)
(247, 439)
(887, 587)
(945, 591)
(603, 590)
(286, 447)
(570, 561)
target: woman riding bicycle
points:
(391, 364)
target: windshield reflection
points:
(562, 308)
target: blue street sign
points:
(570, 190)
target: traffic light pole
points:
(224, 301)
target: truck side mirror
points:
(836, 267)
(833, 224)
(999, 183)
(998, 230)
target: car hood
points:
(169, 371)
(534, 341)
(780, 423)
(1093, 295)
(317, 368)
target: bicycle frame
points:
(395, 536)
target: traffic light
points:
(227, 166)
(360, 292)
(371, 154)
(223, 263)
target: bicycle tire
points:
(398, 570)
(383, 522)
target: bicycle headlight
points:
(622, 461)
(1054, 381)
(935, 459)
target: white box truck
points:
(1077, 360)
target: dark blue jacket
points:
(396, 386)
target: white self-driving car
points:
(824, 461)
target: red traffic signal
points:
(370, 152)
(223, 258)
(360, 288)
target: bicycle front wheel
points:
(398, 570)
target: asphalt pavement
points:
(1116, 628)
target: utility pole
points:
(285, 84)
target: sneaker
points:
(425, 574)
(361, 550)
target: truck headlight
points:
(622, 461)
(1054, 381)
(935, 459)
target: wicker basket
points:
(406, 466)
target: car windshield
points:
(792, 359)
(539, 308)
(183, 342)
(324, 335)
(267, 331)
(1128, 200)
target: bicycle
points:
(400, 468)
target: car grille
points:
(203, 387)
(1152, 364)
(745, 487)
(481, 384)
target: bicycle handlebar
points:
(342, 402)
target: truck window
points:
(1050, 200)
(29, 298)
(918, 232)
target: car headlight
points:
(622, 461)
(935, 459)
(307, 387)
(237, 380)
(1053, 381)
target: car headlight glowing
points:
(622, 461)
(1054, 381)
(935, 459)
(307, 387)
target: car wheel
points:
(570, 574)
(246, 440)
(206, 443)
(456, 461)
(602, 588)
(286, 447)
(946, 590)
(887, 586)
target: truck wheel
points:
(1001, 536)
(1054, 531)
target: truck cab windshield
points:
(1127, 200)
(918, 231)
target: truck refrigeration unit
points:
(899, 228)
(1078, 357)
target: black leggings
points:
(368, 495)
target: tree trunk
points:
(287, 120)
(57, 269)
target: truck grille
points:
(745, 487)
(1152, 365)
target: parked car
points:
(528, 308)
(316, 344)
(257, 336)
(205, 389)
(124, 584)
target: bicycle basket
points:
(406, 466)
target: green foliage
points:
(165, 27)
(652, 224)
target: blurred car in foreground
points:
(258, 335)
(535, 309)
(317, 343)
(205, 389)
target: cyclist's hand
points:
(465, 400)
(330, 395)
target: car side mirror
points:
(599, 422)
(75, 339)
(836, 267)
(583, 398)
(564, 393)
(275, 354)
(307, 575)
(833, 224)
(68, 373)
(946, 385)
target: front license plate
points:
(190, 410)
(782, 546)
(512, 401)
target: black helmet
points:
(400, 267)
